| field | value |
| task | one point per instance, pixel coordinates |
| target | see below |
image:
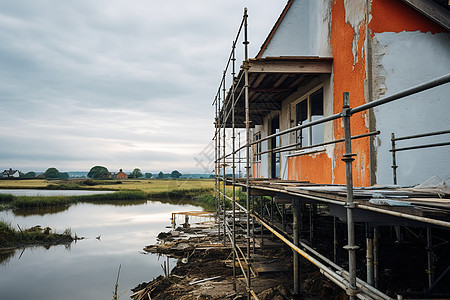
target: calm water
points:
(88, 268)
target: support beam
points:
(296, 233)
(369, 255)
(291, 65)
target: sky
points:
(121, 84)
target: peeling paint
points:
(355, 15)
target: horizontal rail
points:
(283, 148)
(298, 127)
(420, 135)
(420, 147)
(406, 216)
(413, 90)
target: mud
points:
(205, 270)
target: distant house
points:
(10, 173)
(120, 175)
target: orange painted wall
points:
(396, 16)
(349, 77)
(315, 168)
(256, 170)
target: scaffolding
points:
(231, 119)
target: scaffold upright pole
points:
(224, 160)
(350, 205)
(247, 148)
(233, 74)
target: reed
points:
(11, 237)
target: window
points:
(309, 108)
(257, 147)
(275, 142)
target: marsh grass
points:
(10, 237)
(192, 191)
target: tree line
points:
(100, 172)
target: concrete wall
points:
(303, 31)
(403, 60)
(408, 49)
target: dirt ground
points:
(205, 271)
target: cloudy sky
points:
(118, 83)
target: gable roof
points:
(274, 29)
(430, 8)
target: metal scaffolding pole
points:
(296, 234)
(219, 125)
(233, 73)
(430, 264)
(247, 148)
(224, 162)
(375, 256)
(350, 205)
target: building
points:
(343, 95)
(119, 175)
(318, 50)
(10, 173)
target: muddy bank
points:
(205, 270)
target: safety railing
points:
(394, 149)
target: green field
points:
(198, 191)
(145, 185)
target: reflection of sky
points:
(89, 269)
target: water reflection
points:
(39, 211)
(87, 269)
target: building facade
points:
(319, 49)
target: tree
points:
(51, 173)
(136, 173)
(148, 175)
(161, 175)
(98, 172)
(175, 174)
(29, 175)
(63, 175)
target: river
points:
(87, 269)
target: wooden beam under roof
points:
(293, 65)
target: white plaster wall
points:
(402, 60)
(304, 30)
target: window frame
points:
(306, 97)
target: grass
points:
(194, 191)
(10, 237)
(145, 185)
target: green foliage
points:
(51, 173)
(29, 175)
(181, 193)
(98, 172)
(117, 196)
(6, 198)
(37, 201)
(161, 175)
(63, 175)
(148, 175)
(175, 174)
(136, 173)
(10, 237)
